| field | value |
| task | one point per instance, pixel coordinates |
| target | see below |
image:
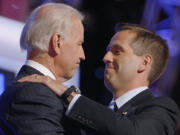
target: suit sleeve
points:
(35, 110)
(151, 120)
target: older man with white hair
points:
(53, 37)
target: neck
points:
(44, 59)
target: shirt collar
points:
(127, 96)
(40, 68)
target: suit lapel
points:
(130, 107)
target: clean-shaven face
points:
(120, 60)
(71, 51)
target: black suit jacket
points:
(33, 109)
(142, 115)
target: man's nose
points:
(82, 57)
(107, 57)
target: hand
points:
(54, 85)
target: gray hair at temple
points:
(45, 21)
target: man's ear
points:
(146, 63)
(55, 44)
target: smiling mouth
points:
(109, 67)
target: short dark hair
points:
(148, 42)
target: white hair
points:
(38, 29)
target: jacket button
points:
(79, 117)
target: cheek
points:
(69, 60)
(73, 51)
(120, 64)
(70, 54)
(131, 67)
(65, 60)
(126, 66)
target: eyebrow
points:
(115, 46)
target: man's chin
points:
(70, 74)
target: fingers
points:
(32, 78)
(54, 85)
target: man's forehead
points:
(121, 39)
(116, 37)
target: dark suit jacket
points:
(33, 109)
(142, 115)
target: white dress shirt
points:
(126, 97)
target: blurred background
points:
(162, 16)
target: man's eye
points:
(80, 44)
(116, 51)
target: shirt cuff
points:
(71, 104)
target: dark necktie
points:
(115, 107)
